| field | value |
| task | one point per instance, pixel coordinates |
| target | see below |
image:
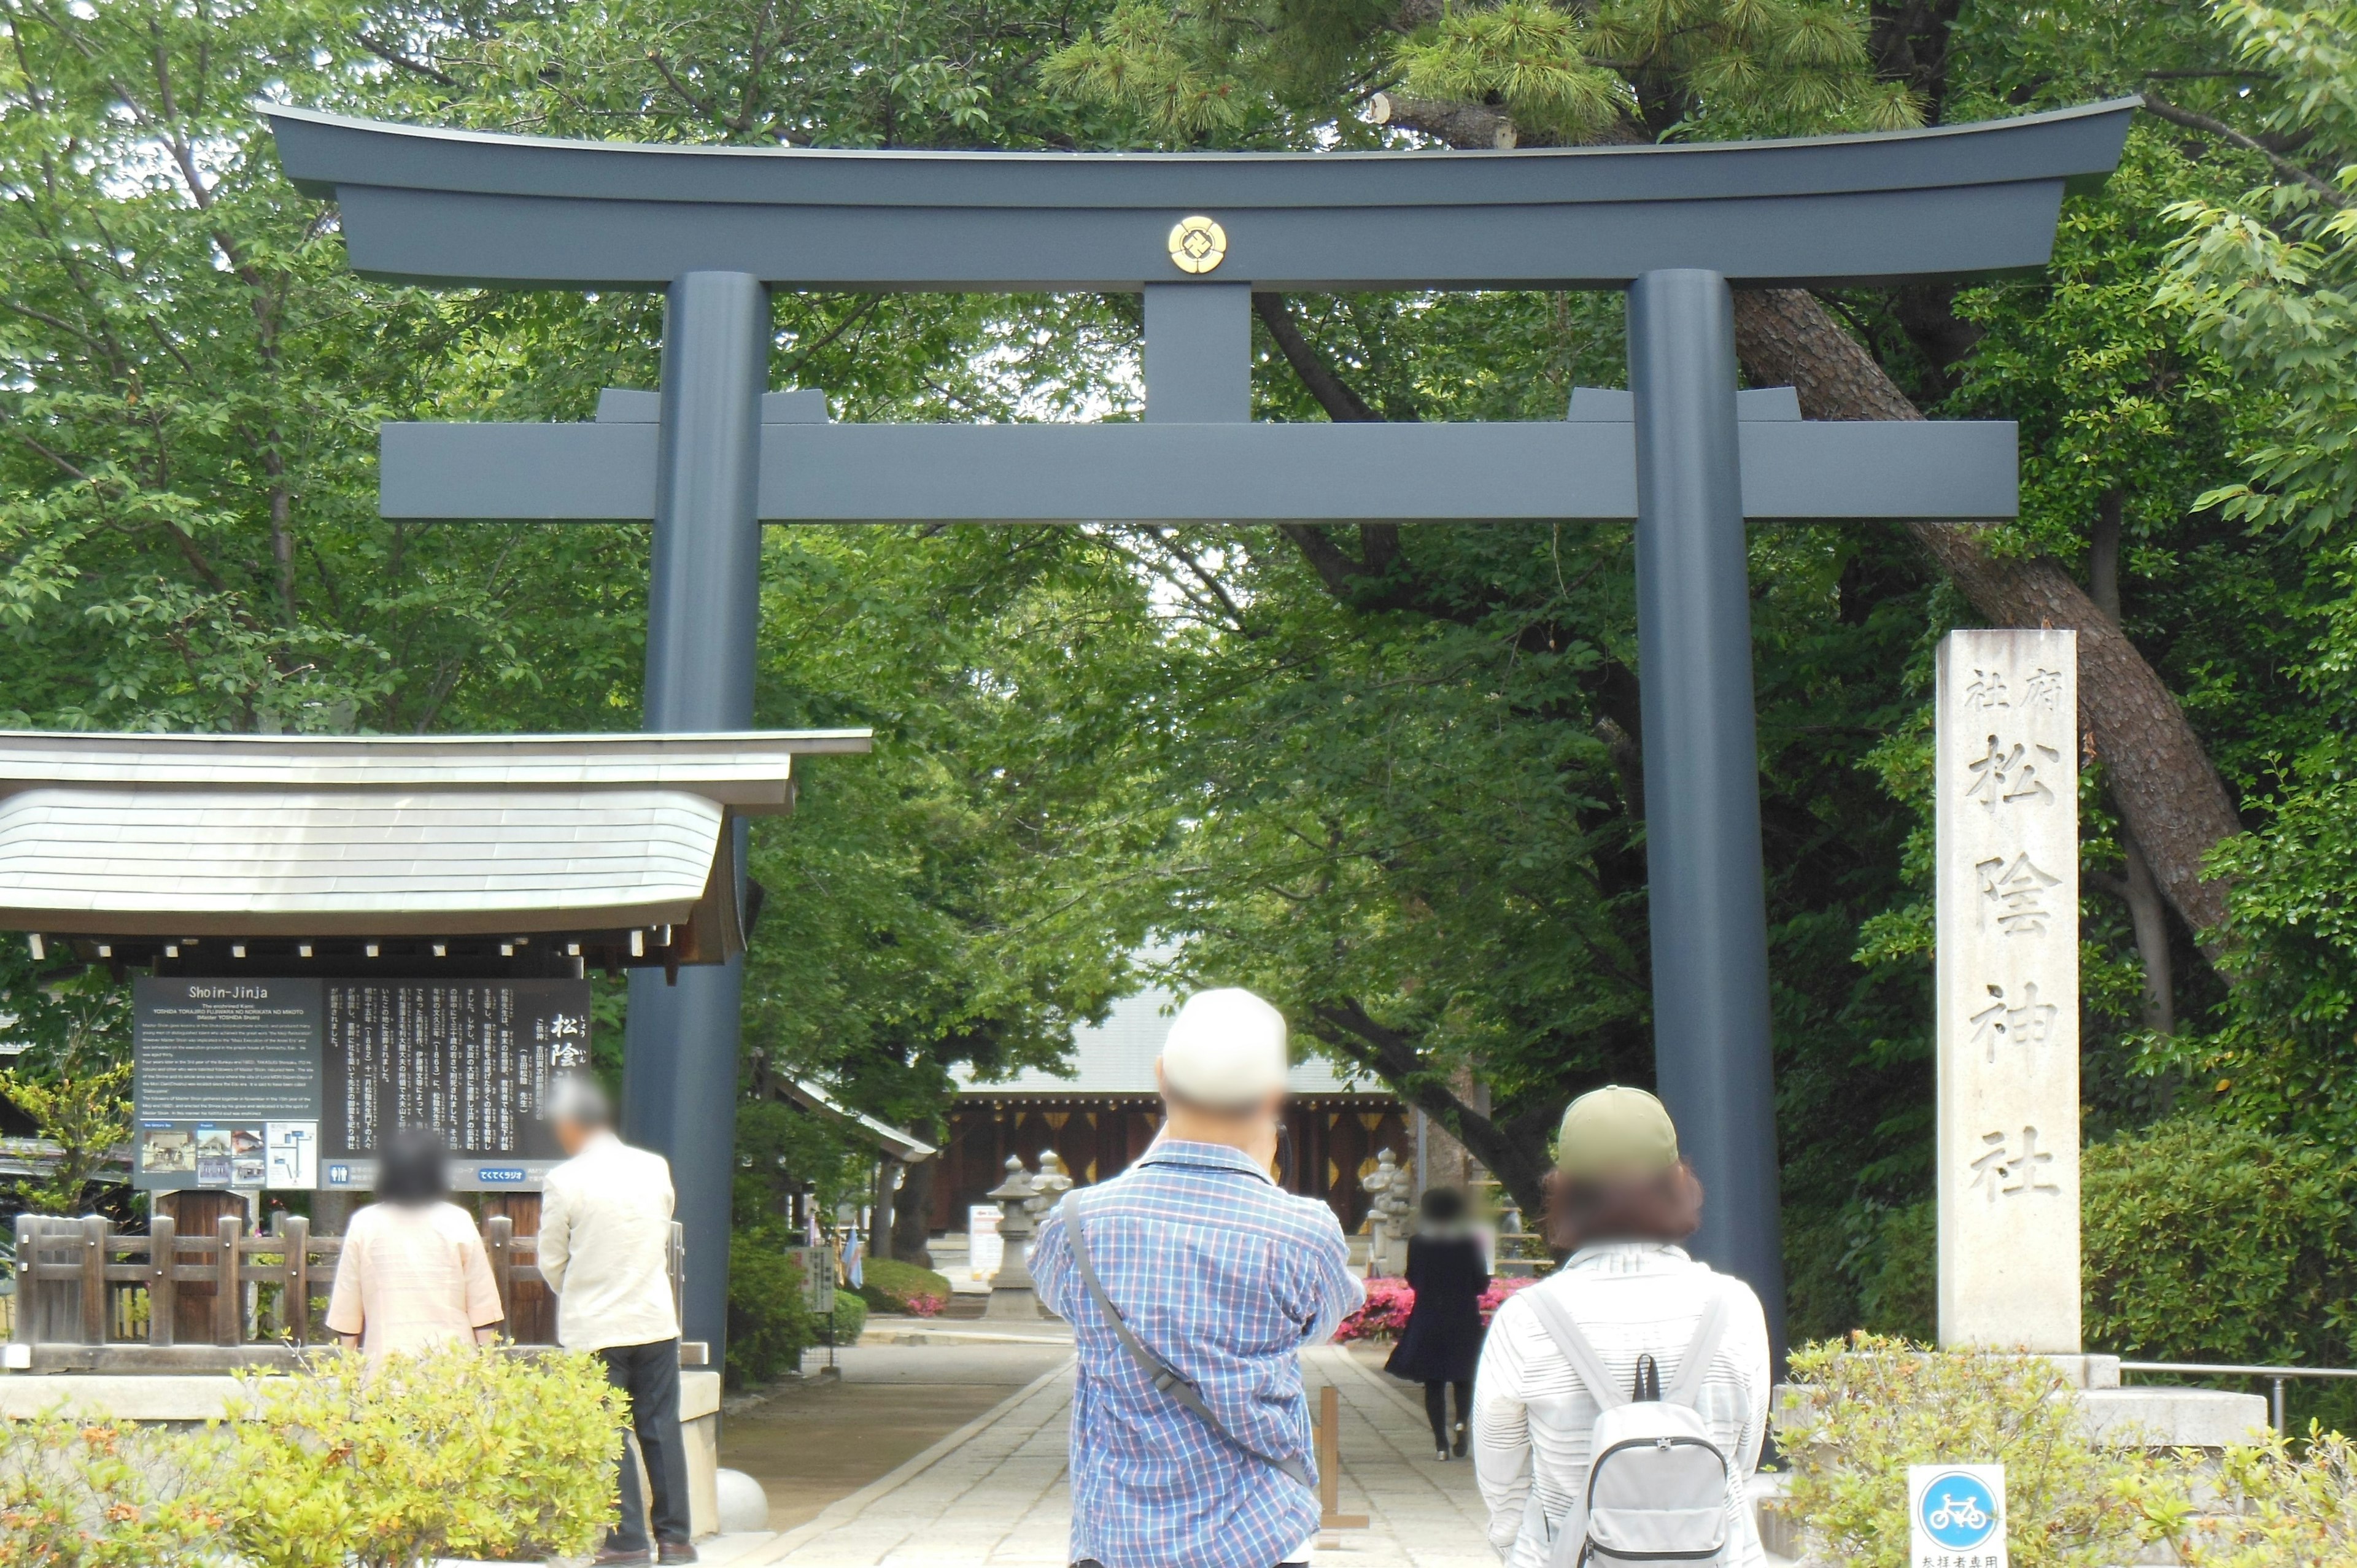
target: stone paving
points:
(996, 1493)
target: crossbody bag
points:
(1166, 1379)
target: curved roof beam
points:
(463, 207)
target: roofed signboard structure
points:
(714, 454)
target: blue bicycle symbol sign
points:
(1958, 1511)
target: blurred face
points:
(570, 1136)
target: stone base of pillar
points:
(1013, 1301)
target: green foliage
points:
(2285, 1509)
(769, 1327)
(1289, 70)
(1862, 1411)
(887, 1285)
(2205, 1241)
(467, 1452)
(850, 1318)
(2269, 277)
(103, 1495)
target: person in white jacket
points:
(1620, 1201)
(605, 1246)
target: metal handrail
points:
(2277, 1376)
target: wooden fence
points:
(81, 1283)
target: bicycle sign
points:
(1955, 1515)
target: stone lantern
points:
(1012, 1293)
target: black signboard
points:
(294, 1083)
(474, 1060)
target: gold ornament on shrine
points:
(1197, 245)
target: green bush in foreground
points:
(467, 1452)
(464, 1453)
(2284, 1510)
(1862, 1411)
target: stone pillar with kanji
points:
(2007, 822)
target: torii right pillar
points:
(1711, 1055)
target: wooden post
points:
(93, 1279)
(499, 1243)
(195, 1215)
(294, 1294)
(229, 1293)
(1330, 1465)
(163, 1279)
(530, 1307)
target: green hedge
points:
(2206, 1243)
(2201, 1242)
(769, 1327)
(890, 1285)
(850, 1317)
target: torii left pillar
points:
(679, 1076)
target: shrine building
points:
(1104, 1114)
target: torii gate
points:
(717, 454)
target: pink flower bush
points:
(924, 1303)
(1389, 1301)
(1500, 1289)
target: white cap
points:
(1226, 1051)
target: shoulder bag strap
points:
(1556, 1319)
(1694, 1365)
(1166, 1378)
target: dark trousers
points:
(649, 1374)
(1436, 1410)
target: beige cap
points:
(1615, 1132)
(1226, 1051)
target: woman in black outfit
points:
(1447, 1270)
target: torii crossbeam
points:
(715, 454)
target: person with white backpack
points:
(1621, 1404)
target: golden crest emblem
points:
(1197, 245)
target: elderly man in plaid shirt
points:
(1219, 1275)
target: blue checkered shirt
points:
(1226, 1277)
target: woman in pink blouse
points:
(412, 1274)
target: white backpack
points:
(1656, 1482)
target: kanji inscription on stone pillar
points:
(2007, 822)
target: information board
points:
(475, 1059)
(223, 1071)
(295, 1083)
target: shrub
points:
(769, 1327)
(464, 1453)
(467, 1452)
(1389, 1302)
(2282, 1512)
(1501, 1287)
(101, 1495)
(850, 1317)
(1861, 1412)
(2210, 1242)
(890, 1285)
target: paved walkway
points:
(995, 1492)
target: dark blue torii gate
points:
(714, 454)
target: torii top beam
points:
(463, 207)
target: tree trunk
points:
(2170, 796)
(912, 1213)
(2148, 913)
(1392, 1053)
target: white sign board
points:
(2007, 820)
(1956, 1516)
(293, 1148)
(984, 1249)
